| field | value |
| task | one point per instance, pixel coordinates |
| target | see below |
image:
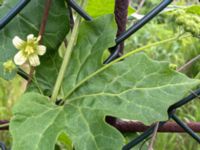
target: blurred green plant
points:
(165, 25)
(9, 92)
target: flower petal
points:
(19, 58)
(18, 43)
(34, 60)
(30, 38)
(41, 49)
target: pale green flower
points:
(28, 50)
(9, 66)
(173, 66)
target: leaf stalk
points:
(66, 59)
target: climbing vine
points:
(69, 96)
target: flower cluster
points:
(189, 22)
(28, 50)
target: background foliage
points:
(179, 52)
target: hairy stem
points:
(121, 12)
(66, 59)
(123, 57)
(45, 18)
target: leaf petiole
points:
(66, 59)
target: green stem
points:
(66, 59)
(25, 76)
(123, 57)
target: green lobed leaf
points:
(137, 82)
(28, 22)
(94, 38)
(137, 88)
(97, 8)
